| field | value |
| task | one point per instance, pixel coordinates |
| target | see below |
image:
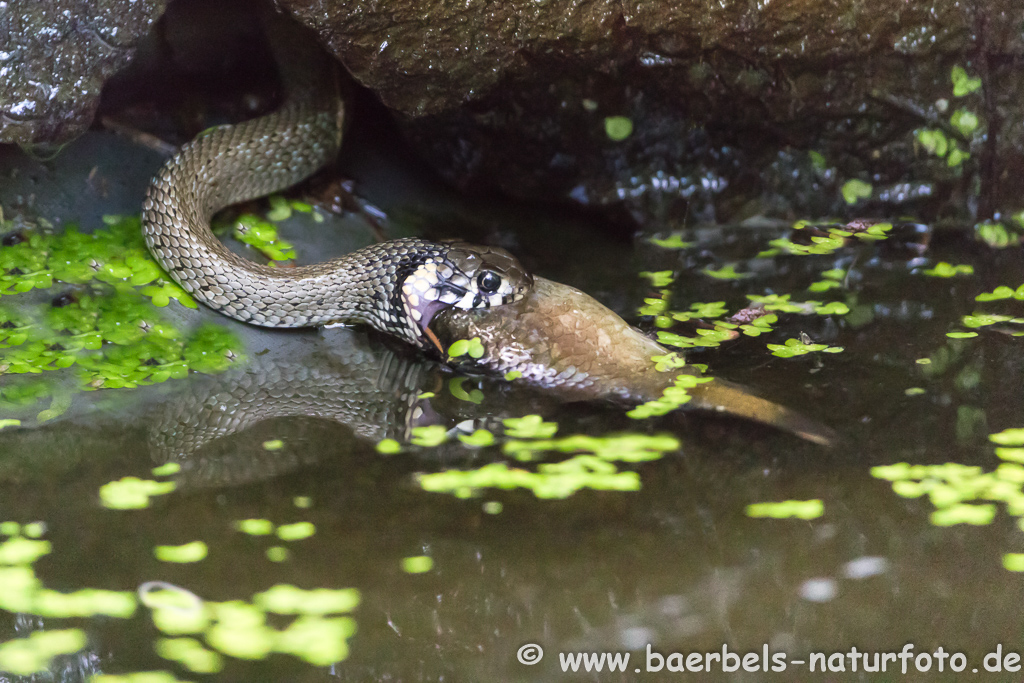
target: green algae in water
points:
(418, 564)
(32, 655)
(799, 509)
(195, 551)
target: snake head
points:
(468, 277)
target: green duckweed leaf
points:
(854, 190)
(417, 565)
(962, 83)
(195, 551)
(429, 436)
(800, 509)
(618, 128)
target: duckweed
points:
(965, 494)
(189, 552)
(302, 502)
(166, 470)
(239, 629)
(290, 600)
(388, 446)
(943, 269)
(18, 550)
(620, 447)
(277, 553)
(618, 128)
(513, 375)
(456, 390)
(543, 484)
(480, 438)
(418, 564)
(473, 347)
(797, 347)
(854, 190)
(962, 83)
(32, 655)
(191, 654)
(1013, 562)
(132, 493)
(996, 235)
(262, 235)
(273, 445)
(106, 329)
(672, 397)
(429, 436)
(529, 427)
(137, 677)
(1002, 292)
(255, 527)
(800, 509)
(727, 272)
(493, 507)
(296, 531)
(673, 241)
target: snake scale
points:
(396, 286)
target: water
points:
(677, 564)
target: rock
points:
(679, 112)
(725, 99)
(54, 58)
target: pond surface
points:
(665, 550)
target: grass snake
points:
(396, 286)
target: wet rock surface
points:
(676, 112)
(54, 58)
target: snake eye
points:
(489, 282)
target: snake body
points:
(394, 286)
